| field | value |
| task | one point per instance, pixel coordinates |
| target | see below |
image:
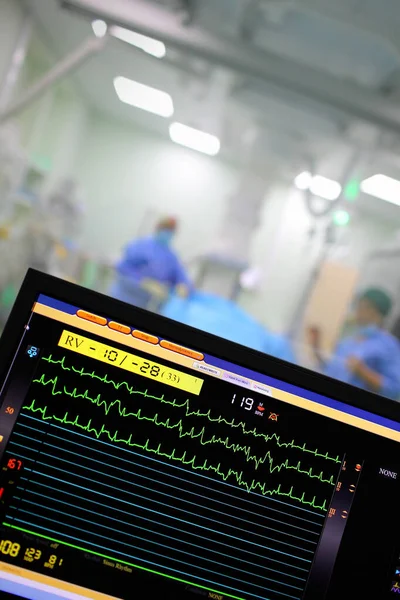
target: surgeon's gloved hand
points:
(355, 365)
(182, 290)
(154, 287)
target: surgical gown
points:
(379, 350)
(148, 258)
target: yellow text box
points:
(130, 362)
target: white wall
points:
(282, 250)
(127, 172)
(287, 256)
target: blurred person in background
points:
(369, 358)
(150, 269)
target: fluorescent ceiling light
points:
(144, 97)
(147, 44)
(318, 185)
(194, 139)
(325, 188)
(99, 28)
(383, 187)
(303, 180)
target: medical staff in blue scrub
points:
(150, 261)
(370, 357)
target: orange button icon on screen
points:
(83, 314)
(119, 327)
(181, 350)
(145, 337)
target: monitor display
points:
(137, 466)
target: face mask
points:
(164, 236)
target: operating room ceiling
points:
(326, 75)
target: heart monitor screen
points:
(131, 462)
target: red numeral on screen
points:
(14, 463)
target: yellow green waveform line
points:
(196, 413)
(200, 435)
(254, 486)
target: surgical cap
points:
(379, 299)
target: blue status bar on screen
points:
(260, 378)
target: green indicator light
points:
(341, 218)
(352, 190)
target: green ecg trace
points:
(254, 485)
(191, 433)
(195, 413)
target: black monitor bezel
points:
(36, 283)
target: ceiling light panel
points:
(194, 139)
(382, 187)
(318, 185)
(144, 97)
(147, 44)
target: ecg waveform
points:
(200, 435)
(186, 405)
(252, 486)
(178, 483)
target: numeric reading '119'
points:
(246, 403)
